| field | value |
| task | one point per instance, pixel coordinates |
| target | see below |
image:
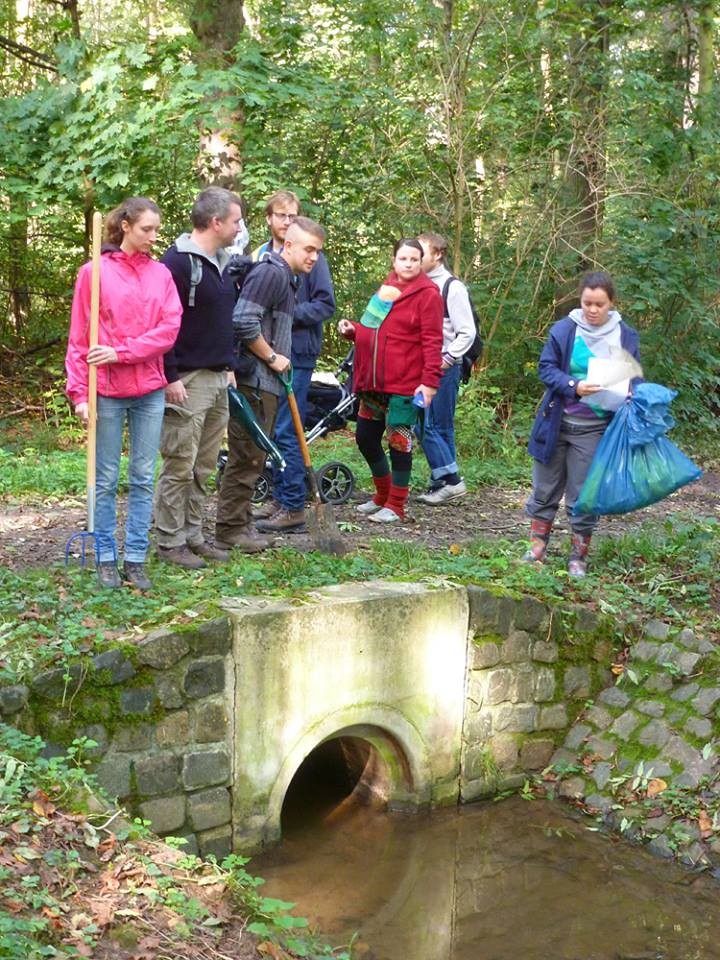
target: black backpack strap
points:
(446, 287)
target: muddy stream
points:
(515, 880)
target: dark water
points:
(516, 880)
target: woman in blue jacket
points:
(566, 431)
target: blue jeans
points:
(438, 436)
(145, 419)
(289, 484)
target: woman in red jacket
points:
(140, 315)
(396, 372)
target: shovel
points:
(88, 537)
(321, 522)
(242, 412)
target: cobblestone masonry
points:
(542, 704)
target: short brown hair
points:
(284, 197)
(212, 202)
(436, 242)
(309, 226)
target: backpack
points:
(474, 351)
(238, 267)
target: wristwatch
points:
(271, 359)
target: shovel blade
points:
(323, 530)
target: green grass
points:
(664, 570)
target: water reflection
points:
(515, 880)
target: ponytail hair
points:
(129, 210)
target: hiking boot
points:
(108, 575)
(284, 521)
(209, 551)
(579, 547)
(134, 574)
(385, 515)
(448, 491)
(263, 511)
(369, 507)
(245, 539)
(539, 537)
(181, 556)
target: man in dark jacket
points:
(198, 370)
(315, 304)
(263, 327)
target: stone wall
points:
(160, 715)
(643, 756)
(531, 668)
(199, 730)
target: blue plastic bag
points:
(635, 464)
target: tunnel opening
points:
(340, 772)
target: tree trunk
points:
(17, 272)
(584, 176)
(218, 26)
(706, 64)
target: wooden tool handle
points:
(92, 372)
(297, 423)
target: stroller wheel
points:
(262, 488)
(335, 482)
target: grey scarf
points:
(601, 341)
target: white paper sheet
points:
(614, 376)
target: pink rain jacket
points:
(140, 314)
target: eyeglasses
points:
(285, 217)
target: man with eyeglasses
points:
(285, 511)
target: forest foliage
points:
(542, 137)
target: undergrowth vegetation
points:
(75, 883)
(665, 570)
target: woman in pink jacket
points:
(140, 315)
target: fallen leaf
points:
(103, 912)
(655, 787)
(272, 950)
(26, 853)
(617, 669)
(454, 549)
(705, 824)
(42, 806)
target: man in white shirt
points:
(438, 435)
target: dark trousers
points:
(245, 463)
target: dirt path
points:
(34, 534)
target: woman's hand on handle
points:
(346, 328)
(101, 355)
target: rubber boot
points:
(539, 536)
(579, 547)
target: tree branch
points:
(27, 54)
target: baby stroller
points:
(331, 405)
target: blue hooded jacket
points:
(554, 369)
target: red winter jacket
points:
(140, 315)
(406, 350)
